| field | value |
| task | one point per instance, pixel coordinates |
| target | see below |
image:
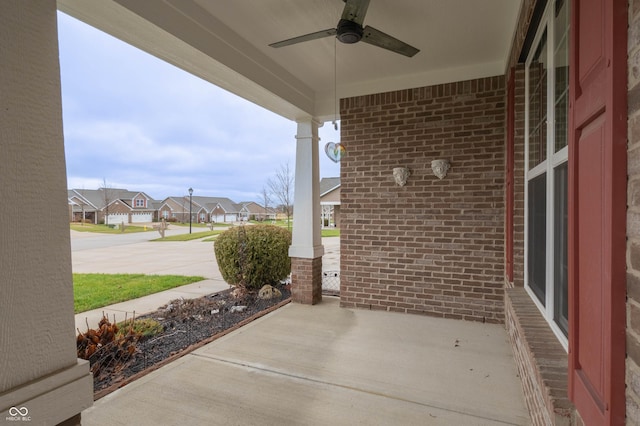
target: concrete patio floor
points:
(324, 365)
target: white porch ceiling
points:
(226, 43)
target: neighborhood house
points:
(330, 202)
(115, 206)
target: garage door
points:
(141, 218)
(117, 218)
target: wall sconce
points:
(401, 174)
(440, 167)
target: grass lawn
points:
(282, 223)
(91, 291)
(326, 232)
(330, 232)
(189, 237)
(104, 229)
(200, 225)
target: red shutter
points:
(597, 209)
(511, 98)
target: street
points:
(135, 253)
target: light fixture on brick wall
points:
(401, 174)
(440, 167)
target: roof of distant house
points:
(328, 184)
(98, 198)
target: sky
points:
(136, 122)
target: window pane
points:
(561, 65)
(560, 280)
(561, 20)
(562, 120)
(538, 104)
(537, 236)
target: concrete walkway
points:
(324, 365)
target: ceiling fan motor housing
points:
(349, 32)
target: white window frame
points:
(553, 159)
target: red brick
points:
(541, 362)
(430, 234)
(306, 280)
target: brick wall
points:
(524, 21)
(306, 279)
(518, 217)
(432, 247)
(522, 27)
(633, 218)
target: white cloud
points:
(145, 125)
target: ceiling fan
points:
(350, 30)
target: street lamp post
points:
(190, 194)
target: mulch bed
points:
(186, 325)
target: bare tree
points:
(266, 199)
(107, 197)
(281, 187)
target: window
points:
(140, 202)
(547, 87)
(165, 214)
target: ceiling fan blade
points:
(380, 39)
(355, 10)
(306, 37)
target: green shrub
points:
(252, 256)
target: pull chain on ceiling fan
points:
(350, 30)
(335, 85)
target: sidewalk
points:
(163, 258)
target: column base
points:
(306, 280)
(57, 398)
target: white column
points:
(307, 242)
(39, 372)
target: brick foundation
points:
(306, 280)
(542, 362)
